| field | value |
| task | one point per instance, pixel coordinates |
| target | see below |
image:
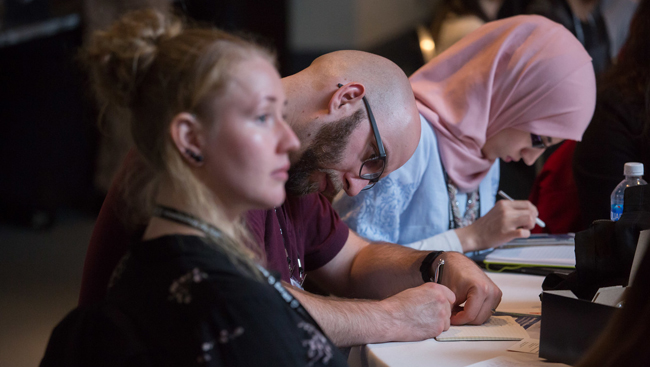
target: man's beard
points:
(326, 150)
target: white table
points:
(520, 294)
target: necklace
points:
(301, 273)
(471, 208)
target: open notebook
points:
(496, 328)
(560, 256)
(550, 251)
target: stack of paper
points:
(496, 328)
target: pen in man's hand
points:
(505, 196)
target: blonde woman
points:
(207, 118)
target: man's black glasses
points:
(538, 141)
(372, 168)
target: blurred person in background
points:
(620, 129)
(585, 20)
(454, 19)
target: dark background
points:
(48, 122)
(50, 136)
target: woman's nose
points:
(288, 139)
(530, 155)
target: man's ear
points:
(346, 96)
(187, 134)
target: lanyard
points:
(189, 220)
(301, 273)
(293, 303)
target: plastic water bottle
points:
(633, 172)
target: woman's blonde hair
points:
(153, 67)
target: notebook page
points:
(542, 239)
(535, 255)
(496, 328)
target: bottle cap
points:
(633, 169)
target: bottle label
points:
(617, 210)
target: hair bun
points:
(119, 57)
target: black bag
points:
(605, 251)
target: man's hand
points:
(470, 285)
(386, 300)
(506, 221)
(419, 313)
(414, 314)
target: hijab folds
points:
(524, 72)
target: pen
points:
(505, 196)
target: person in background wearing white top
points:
(508, 90)
(453, 19)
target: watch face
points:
(425, 268)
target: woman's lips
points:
(282, 173)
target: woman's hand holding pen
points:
(506, 221)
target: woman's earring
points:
(197, 157)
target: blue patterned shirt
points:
(411, 204)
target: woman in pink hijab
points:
(508, 90)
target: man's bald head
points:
(319, 110)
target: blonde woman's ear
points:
(186, 134)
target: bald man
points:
(333, 126)
(387, 298)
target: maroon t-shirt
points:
(312, 232)
(311, 228)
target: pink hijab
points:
(524, 72)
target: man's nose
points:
(354, 185)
